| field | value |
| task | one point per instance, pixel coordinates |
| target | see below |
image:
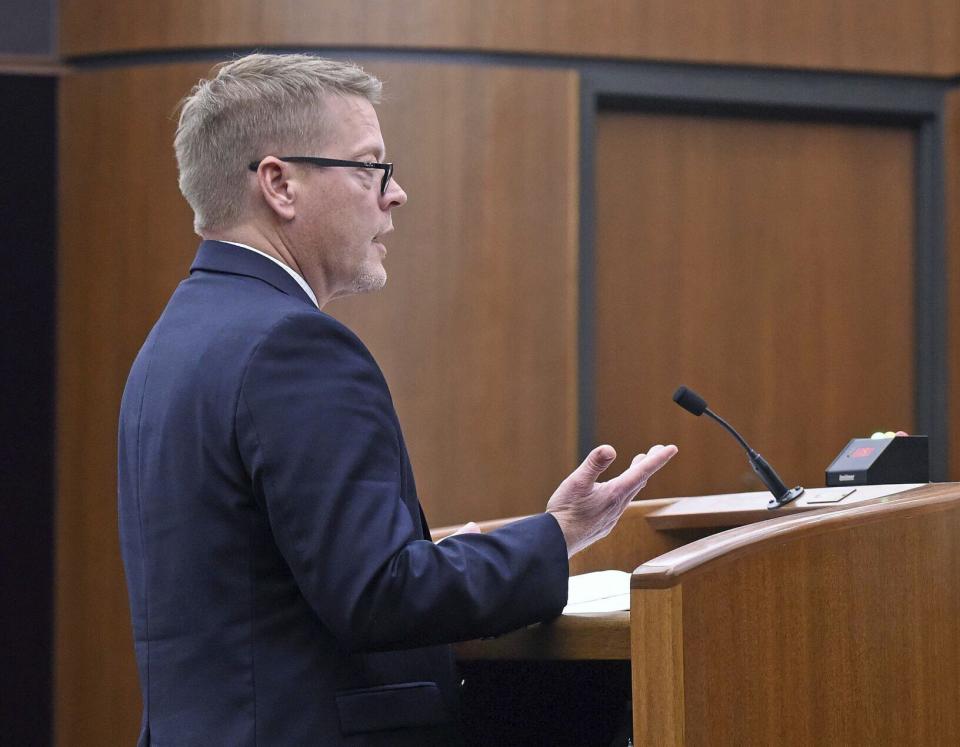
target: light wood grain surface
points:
(920, 37)
(668, 569)
(737, 509)
(476, 329)
(767, 265)
(656, 641)
(125, 241)
(842, 630)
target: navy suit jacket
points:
(283, 587)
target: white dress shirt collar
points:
(293, 273)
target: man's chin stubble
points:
(370, 280)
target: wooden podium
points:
(826, 622)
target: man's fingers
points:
(643, 466)
(658, 456)
(595, 463)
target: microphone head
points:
(690, 401)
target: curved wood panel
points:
(672, 567)
(766, 264)
(921, 37)
(476, 331)
(831, 629)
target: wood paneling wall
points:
(125, 241)
(920, 37)
(477, 327)
(769, 266)
(476, 331)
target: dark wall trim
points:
(787, 91)
(469, 57)
(713, 90)
(931, 310)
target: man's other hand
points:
(587, 510)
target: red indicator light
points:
(863, 451)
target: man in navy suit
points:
(283, 586)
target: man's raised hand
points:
(587, 510)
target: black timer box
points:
(881, 461)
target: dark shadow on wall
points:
(27, 357)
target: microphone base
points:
(783, 500)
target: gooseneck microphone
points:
(693, 403)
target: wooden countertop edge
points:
(595, 636)
(668, 569)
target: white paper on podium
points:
(600, 591)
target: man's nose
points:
(394, 196)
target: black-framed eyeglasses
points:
(386, 167)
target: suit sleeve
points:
(317, 431)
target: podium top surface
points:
(666, 570)
(737, 509)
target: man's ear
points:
(278, 186)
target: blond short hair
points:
(254, 106)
